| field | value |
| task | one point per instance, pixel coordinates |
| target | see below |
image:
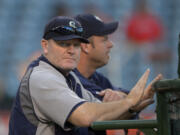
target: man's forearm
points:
(88, 112)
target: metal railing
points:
(162, 124)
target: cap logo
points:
(72, 24)
(98, 18)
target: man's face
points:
(62, 54)
(100, 49)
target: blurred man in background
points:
(96, 55)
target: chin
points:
(70, 67)
(105, 61)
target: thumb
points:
(102, 93)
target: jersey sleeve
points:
(52, 98)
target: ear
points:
(44, 44)
(85, 47)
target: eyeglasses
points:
(66, 30)
(67, 44)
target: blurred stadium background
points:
(21, 28)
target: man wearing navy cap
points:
(95, 55)
(51, 100)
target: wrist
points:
(129, 103)
(131, 111)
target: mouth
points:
(70, 58)
(108, 52)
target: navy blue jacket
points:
(96, 83)
(19, 124)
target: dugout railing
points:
(168, 105)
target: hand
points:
(149, 92)
(147, 98)
(112, 95)
(143, 104)
(137, 92)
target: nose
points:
(110, 44)
(71, 49)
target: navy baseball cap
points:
(64, 28)
(93, 25)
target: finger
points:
(121, 94)
(158, 77)
(148, 91)
(143, 79)
(139, 87)
(106, 96)
(111, 97)
(119, 97)
(102, 93)
(137, 92)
